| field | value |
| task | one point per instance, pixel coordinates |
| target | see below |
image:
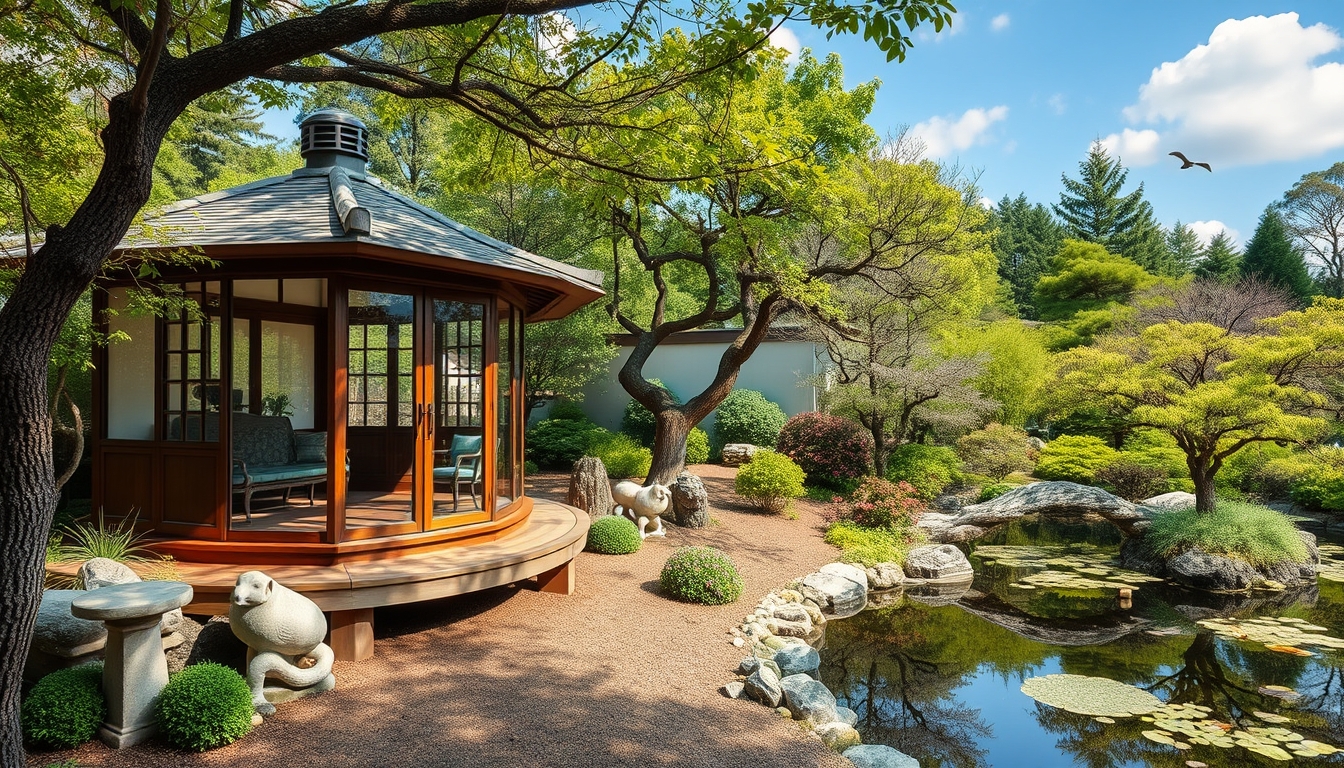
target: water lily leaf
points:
(1270, 751)
(1316, 747)
(1090, 695)
(1290, 649)
(1104, 719)
(1159, 737)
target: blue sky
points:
(1017, 91)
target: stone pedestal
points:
(134, 666)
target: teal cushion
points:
(462, 445)
(446, 474)
(270, 473)
(310, 447)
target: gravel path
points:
(615, 675)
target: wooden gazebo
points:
(339, 391)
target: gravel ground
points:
(615, 675)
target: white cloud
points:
(783, 37)
(1057, 103)
(942, 136)
(1251, 95)
(555, 31)
(987, 204)
(1000, 22)
(1134, 147)
(1206, 230)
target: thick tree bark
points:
(1202, 472)
(669, 447)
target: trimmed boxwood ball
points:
(746, 416)
(702, 575)
(65, 708)
(204, 706)
(613, 535)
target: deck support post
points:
(352, 634)
(558, 580)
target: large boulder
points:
(797, 658)
(61, 634)
(938, 562)
(1211, 573)
(589, 489)
(836, 595)
(690, 503)
(737, 454)
(105, 572)
(1057, 499)
(1170, 502)
(809, 700)
(879, 756)
(763, 686)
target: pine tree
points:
(1219, 260)
(1271, 256)
(1028, 235)
(1184, 246)
(1093, 209)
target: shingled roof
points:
(302, 208)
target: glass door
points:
(456, 404)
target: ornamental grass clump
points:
(65, 708)
(832, 450)
(1249, 532)
(613, 535)
(204, 706)
(701, 575)
(770, 481)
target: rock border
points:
(781, 670)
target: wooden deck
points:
(543, 547)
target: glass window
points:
(191, 364)
(265, 290)
(130, 369)
(381, 370)
(287, 371)
(504, 380)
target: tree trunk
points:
(1202, 474)
(669, 446)
(880, 450)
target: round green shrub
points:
(564, 410)
(638, 421)
(832, 450)
(745, 416)
(1076, 458)
(993, 491)
(996, 451)
(613, 535)
(622, 456)
(65, 708)
(204, 706)
(929, 468)
(697, 446)
(558, 443)
(770, 481)
(1320, 487)
(701, 575)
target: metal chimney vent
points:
(334, 137)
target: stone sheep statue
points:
(643, 504)
(283, 631)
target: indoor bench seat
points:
(269, 455)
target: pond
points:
(1245, 680)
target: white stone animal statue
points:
(283, 631)
(642, 504)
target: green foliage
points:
(930, 469)
(621, 455)
(878, 503)
(832, 450)
(566, 410)
(1157, 450)
(770, 481)
(558, 443)
(1266, 470)
(1271, 256)
(1093, 209)
(204, 706)
(65, 708)
(85, 541)
(1086, 277)
(1249, 532)
(745, 416)
(1017, 368)
(1133, 482)
(1321, 485)
(702, 575)
(993, 491)
(613, 535)
(1311, 210)
(530, 467)
(996, 451)
(1026, 237)
(870, 546)
(564, 356)
(639, 422)
(1219, 260)
(697, 446)
(1184, 246)
(1076, 458)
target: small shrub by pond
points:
(65, 708)
(1249, 532)
(613, 535)
(871, 546)
(204, 706)
(770, 481)
(877, 523)
(701, 575)
(993, 491)
(929, 468)
(832, 450)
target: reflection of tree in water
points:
(896, 668)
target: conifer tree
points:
(1184, 246)
(1219, 260)
(1270, 255)
(1093, 209)
(1028, 236)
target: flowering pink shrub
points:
(878, 503)
(830, 449)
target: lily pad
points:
(1159, 737)
(1096, 696)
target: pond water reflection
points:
(942, 682)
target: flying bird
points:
(1189, 163)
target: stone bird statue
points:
(1189, 163)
